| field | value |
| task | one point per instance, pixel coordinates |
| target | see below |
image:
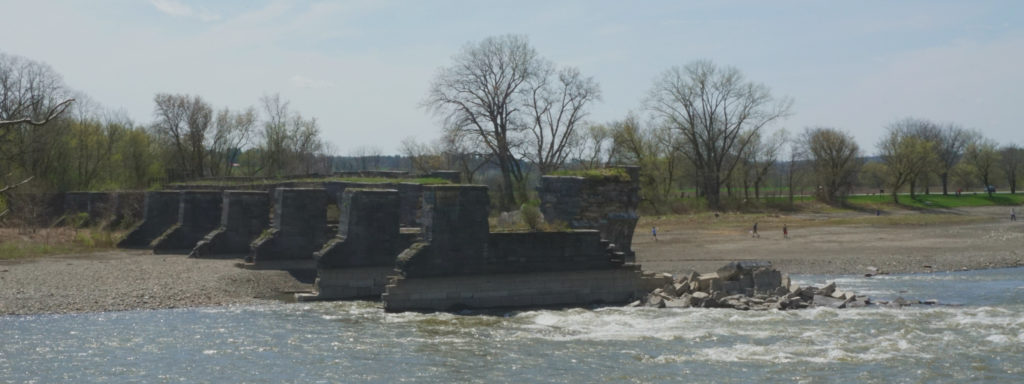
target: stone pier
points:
(244, 216)
(298, 228)
(458, 264)
(357, 262)
(199, 213)
(160, 212)
(607, 203)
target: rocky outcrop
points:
(747, 285)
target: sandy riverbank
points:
(828, 243)
(838, 243)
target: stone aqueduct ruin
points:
(416, 247)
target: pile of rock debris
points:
(751, 285)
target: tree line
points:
(706, 129)
(54, 138)
(706, 134)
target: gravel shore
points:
(130, 280)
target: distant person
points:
(654, 233)
(1013, 214)
(785, 231)
(958, 191)
(754, 232)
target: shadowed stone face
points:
(299, 226)
(159, 214)
(198, 213)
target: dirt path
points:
(978, 238)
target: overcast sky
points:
(363, 67)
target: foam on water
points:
(357, 341)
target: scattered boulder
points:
(753, 285)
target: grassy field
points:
(936, 201)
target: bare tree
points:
(423, 158)
(983, 157)
(716, 110)
(557, 104)
(275, 145)
(1012, 163)
(185, 120)
(905, 155)
(596, 152)
(232, 134)
(306, 142)
(834, 156)
(458, 150)
(481, 93)
(762, 156)
(949, 147)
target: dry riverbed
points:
(822, 243)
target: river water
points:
(981, 339)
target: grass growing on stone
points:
(368, 180)
(616, 174)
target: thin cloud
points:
(178, 9)
(300, 81)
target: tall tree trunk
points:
(945, 181)
(508, 199)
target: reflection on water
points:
(980, 340)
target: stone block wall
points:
(607, 204)
(454, 232)
(199, 213)
(357, 262)
(244, 216)
(104, 207)
(298, 227)
(409, 197)
(160, 212)
(517, 252)
(516, 290)
(368, 231)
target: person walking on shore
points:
(754, 232)
(654, 233)
(1013, 214)
(785, 231)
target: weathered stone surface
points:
(605, 204)
(827, 289)
(298, 227)
(704, 281)
(199, 212)
(828, 301)
(516, 290)
(683, 301)
(244, 216)
(349, 283)
(368, 231)
(766, 280)
(160, 213)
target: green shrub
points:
(530, 211)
